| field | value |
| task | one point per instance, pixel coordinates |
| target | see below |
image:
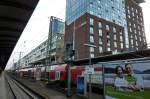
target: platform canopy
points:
(145, 53)
(14, 15)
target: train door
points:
(38, 74)
(57, 75)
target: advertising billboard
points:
(127, 80)
(81, 85)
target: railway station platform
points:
(40, 88)
(3, 91)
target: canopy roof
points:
(14, 15)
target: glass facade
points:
(110, 10)
(75, 9)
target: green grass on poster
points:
(110, 91)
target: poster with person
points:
(127, 80)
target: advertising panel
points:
(127, 80)
(81, 85)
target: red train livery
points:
(55, 72)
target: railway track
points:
(17, 90)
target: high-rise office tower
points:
(110, 25)
(135, 24)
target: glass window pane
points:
(100, 32)
(107, 27)
(100, 24)
(91, 30)
(92, 39)
(91, 21)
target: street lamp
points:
(90, 45)
(90, 87)
(69, 58)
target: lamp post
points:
(69, 58)
(90, 87)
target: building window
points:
(121, 38)
(115, 36)
(91, 4)
(133, 14)
(132, 8)
(140, 13)
(130, 24)
(129, 16)
(128, 11)
(100, 41)
(138, 27)
(100, 49)
(91, 49)
(91, 21)
(99, 24)
(100, 32)
(141, 19)
(107, 27)
(136, 11)
(99, 8)
(115, 44)
(108, 48)
(134, 26)
(130, 29)
(91, 30)
(91, 39)
(140, 39)
(131, 36)
(137, 16)
(121, 33)
(135, 37)
(108, 35)
(136, 43)
(121, 44)
(144, 40)
(108, 42)
(131, 41)
(139, 33)
(114, 29)
(142, 29)
(92, 55)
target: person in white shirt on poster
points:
(120, 82)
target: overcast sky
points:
(36, 30)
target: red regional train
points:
(56, 72)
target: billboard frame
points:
(118, 62)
